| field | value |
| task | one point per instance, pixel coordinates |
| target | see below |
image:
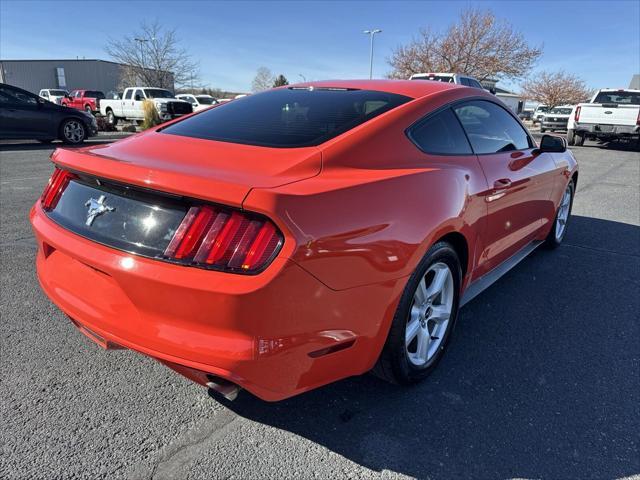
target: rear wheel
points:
(425, 317)
(559, 229)
(579, 140)
(87, 108)
(73, 131)
(571, 139)
(111, 118)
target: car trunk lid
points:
(612, 114)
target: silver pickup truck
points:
(612, 114)
(129, 107)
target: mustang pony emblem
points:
(96, 207)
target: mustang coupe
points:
(302, 235)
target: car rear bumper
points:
(276, 334)
(604, 130)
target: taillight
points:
(215, 237)
(53, 191)
(638, 118)
(577, 114)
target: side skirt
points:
(488, 279)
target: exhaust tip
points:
(223, 387)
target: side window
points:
(139, 94)
(464, 82)
(127, 95)
(16, 97)
(78, 94)
(475, 83)
(441, 134)
(490, 128)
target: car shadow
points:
(622, 146)
(541, 379)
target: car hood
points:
(216, 171)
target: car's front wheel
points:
(73, 131)
(425, 317)
(559, 228)
(111, 118)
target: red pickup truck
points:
(88, 100)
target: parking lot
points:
(541, 381)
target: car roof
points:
(408, 88)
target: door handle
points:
(502, 183)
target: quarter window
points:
(441, 134)
(490, 128)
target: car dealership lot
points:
(541, 381)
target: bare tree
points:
(478, 44)
(263, 80)
(153, 56)
(555, 88)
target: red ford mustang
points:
(295, 237)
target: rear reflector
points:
(224, 239)
(54, 189)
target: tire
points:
(111, 118)
(571, 138)
(559, 228)
(73, 131)
(87, 108)
(579, 140)
(405, 359)
(542, 130)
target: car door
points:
(22, 116)
(127, 103)
(519, 177)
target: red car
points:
(87, 100)
(302, 235)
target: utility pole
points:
(141, 42)
(371, 34)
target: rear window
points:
(288, 118)
(619, 97)
(93, 94)
(436, 78)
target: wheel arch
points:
(459, 243)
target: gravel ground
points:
(542, 379)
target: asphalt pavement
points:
(542, 379)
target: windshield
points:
(206, 100)
(620, 97)
(290, 117)
(93, 94)
(58, 93)
(561, 111)
(157, 93)
(436, 78)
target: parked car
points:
(130, 106)
(538, 113)
(24, 115)
(88, 100)
(448, 78)
(198, 102)
(612, 114)
(54, 95)
(525, 115)
(556, 119)
(300, 235)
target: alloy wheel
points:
(563, 213)
(73, 131)
(430, 314)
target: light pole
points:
(304, 79)
(371, 34)
(141, 42)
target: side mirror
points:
(553, 143)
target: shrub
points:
(104, 126)
(151, 117)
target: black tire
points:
(394, 364)
(579, 140)
(73, 131)
(111, 118)
(571, 138)
(553, 240)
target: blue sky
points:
(598, 41)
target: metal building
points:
(34, 75)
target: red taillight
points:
(228, 240)
(577, 114)
(53, 191)
(638, 119)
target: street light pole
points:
(371, 34)
(141, 42)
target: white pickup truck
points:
(129, 107)
(611, 114)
